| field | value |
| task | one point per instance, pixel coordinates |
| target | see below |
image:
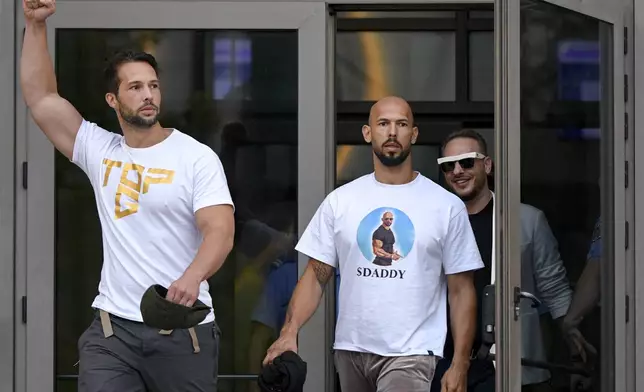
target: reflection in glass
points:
(481, 14)
(564, 126)
(481, 66)
(371, 65)
(224, 385)
(237, 93)
(397, 14)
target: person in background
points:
(466, 166)
(586, 298)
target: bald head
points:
(391, 130)
(387, 218)
(391, 104)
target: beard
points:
(133, 118)
(477, 188)
(392, 160)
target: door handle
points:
(489, 305)
(518, 296)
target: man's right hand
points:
(38, 10)
(286, 342)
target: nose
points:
(147, 94)
(392, 132)
(457, 168)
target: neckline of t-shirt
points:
(408, 184)
(152, 147)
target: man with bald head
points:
(392, 323)
(383, 242)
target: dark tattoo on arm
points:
(323, 272)
(301, 302)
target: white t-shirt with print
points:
(401, 308)
(146, 200)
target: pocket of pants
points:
(433, 362)
(216, 331)
(83, 337)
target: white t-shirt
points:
(401, 308)
(146, 200)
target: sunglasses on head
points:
(465, 161)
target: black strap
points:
(484, 351)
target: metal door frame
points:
(7, 195)
(508, 182)
(36, 263)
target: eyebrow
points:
(388, 119)
(140, 81)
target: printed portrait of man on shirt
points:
(383, 242)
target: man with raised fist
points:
(166, 216)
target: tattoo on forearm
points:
(323, 272)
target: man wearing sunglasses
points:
(466, 167)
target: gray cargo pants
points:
(364, 372)
(118, 355)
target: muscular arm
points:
(462, 302)
(306, 296)
(58, 119)
(378, 251)
(217, 226)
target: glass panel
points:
(481, 66)
(371, 65)
(397, 14)
(481, 14)
(236, 92)
(228, 385)
(566, 118)
(223, 385)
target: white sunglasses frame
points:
(455, 158)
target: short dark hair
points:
(121, 57)
(467, 134)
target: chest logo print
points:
(133, 188)
(385, 237)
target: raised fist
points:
(38, 10)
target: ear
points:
(366, 133)
(488, 165)
(110, 98)
(414, 135)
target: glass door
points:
(560, 282)
(247, 79)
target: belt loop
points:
(165, 331)
(195, 341)
(106, 323)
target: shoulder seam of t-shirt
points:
(330, 200)
(455, 215)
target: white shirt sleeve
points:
(318, 240)
(90, 147)
(460, 251)
(210, 186)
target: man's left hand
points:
(455, 379)
(184, 291)
(580, 347)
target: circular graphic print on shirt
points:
(385, 236)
